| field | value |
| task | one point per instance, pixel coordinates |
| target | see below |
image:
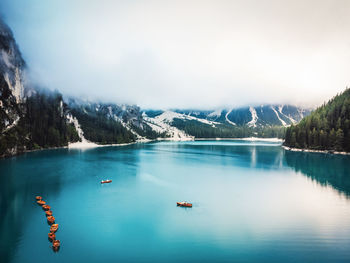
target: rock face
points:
(11, 79)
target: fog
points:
(186, 54)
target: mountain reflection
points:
(326, 169)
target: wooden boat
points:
(184, 204)
(38, 198)
(52, 236)
(41, 202)
(106, 181)
(48, 213)
(56, 245)
(55, 225)
(53, 229)
(46, 207)
(50, 219)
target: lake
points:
(252, 202)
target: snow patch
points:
(84, 143)
(161, 123)
(254, 117)
(280, 110)
(169, 116)
(278, 116)
(227, 119)
(216, 113)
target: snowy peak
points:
(267, 115)
(251, 116)
(252, 123)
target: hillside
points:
(36, 118)
(327, 128)
(264, 121)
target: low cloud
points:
(198, 54)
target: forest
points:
(97, 128)
(202, 130)
(43, 125)
(327, 128)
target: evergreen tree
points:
(327, 128)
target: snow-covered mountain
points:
(253, 116)
(234, 122)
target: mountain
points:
(253, 116)
(35, 118)
(11, 82)
(261, 121)
(327, 128)
(107, 123)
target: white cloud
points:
(187, 53)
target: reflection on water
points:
(326, 169)
(251, 204)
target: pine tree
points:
(339, 140)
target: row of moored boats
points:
(51, 221)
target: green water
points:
(252, 202)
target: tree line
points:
(42, 125)
(327, 128)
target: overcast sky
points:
(186, 54)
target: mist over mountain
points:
(186, 54)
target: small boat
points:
(53, 229)
(184, 204)
(52, 236)
(56, 245)
(46, 207)
(106, 181)
(55, 225)
(38, 198)
(48, 213)
(40, 202)
(50, 220)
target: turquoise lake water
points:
(252, 202)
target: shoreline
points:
(250, 139)
(91, 145)
(314, 151)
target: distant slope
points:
(253, 116)
(327, 128)
(260, 121)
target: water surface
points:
(252, 202)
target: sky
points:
(186, 53)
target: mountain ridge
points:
(35, 118)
